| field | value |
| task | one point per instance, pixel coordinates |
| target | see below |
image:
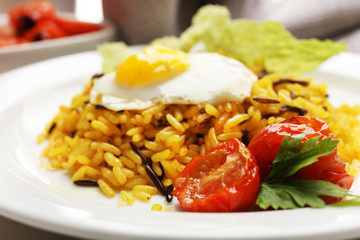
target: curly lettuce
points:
(113, 55)
(249, 41)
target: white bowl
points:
(18, 55)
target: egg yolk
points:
(154, 64)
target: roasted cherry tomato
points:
(10, 40)
(45, 29)
(24, 17)
(7, 37)
(265, 145)
(75, 27)
(37, 20)
(224, 179)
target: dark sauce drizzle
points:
(284, 107)
(287, 80)
(161, 122)
(97, 75)
(162, 172)
(150, 171)
(261, 75)
(300, 111)
(199, 135)
(87, 183)
(71, 134)
(100, 107)
(265, 100)
(292, 95)
(245, 138)
(53, 126)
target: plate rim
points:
(37, 221)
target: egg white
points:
(210, 79)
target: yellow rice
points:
(94, 144)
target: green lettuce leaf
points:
(250, 41)
(168, 41)
(113, 55)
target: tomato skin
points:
(44, 30)
(224, 179)
(265, 145)
(25, 16)
(72, 27)
(10, 40)
(37, 20)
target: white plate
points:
(31, 95)
(20, 55)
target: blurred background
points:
(141, 21)
(85, 10)
(89, 11)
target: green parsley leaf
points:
(277, 191)
(296, 193)
(292, 157)
(355, 201)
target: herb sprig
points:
(280, 191)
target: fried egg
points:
(158, 75)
